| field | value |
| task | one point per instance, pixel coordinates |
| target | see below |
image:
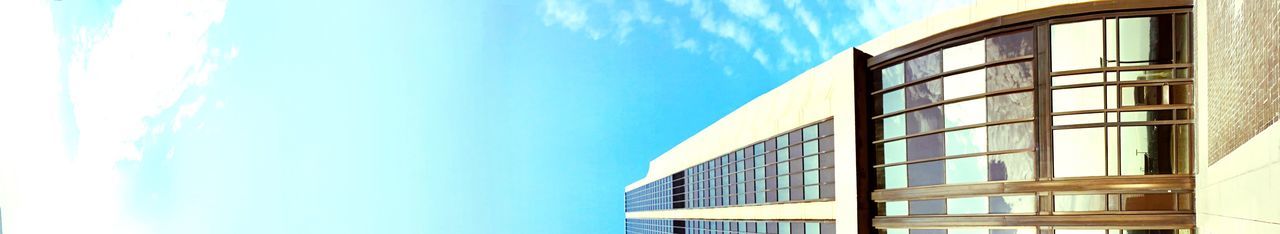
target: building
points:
(1007, 116)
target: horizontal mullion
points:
(954, 100)
(962, 127)
(955, 157)
(1126, 83)
(1120, 68)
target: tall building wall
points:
(1239, 59)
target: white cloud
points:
(761, 57)
(569, 14)
(810, 23)
(118, 77)
(756, 10)
(728, 30)
(186, 111)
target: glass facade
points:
(790, 167)
(1059, 119)
(668, 226)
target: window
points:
(966, 170)
(961, 56)
(968, 205)
(965, 113)
(1077, 45)
(963, 84)
(1079, 152)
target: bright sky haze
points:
(388, 116)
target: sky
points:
(386, 116)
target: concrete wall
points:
(1238, 141)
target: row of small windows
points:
(667, 226)
(795, 166)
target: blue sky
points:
(396, 116)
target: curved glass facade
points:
(1026, 128)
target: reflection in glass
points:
(1150, 201)
(1077, 119)
(924, 93)
(923, 66)
(1011, 167)
(962, 56)
(928, 231)
(895, 177)
(1076, 45)
(1010, 45)
(967, 141)
(968, 205)
(891, 152)
(1079, 152)
(1078, 79)
(1011, 136)
(925, 173)
(1153, 150)
(1154, 115)
(1013, 204)
(1146, 75)
(965, 113)
(1010, 106)
(1146, 40)
(927, 207)
(890, 127)
(1180, 94)
(1014, 231)
(891, 76)
(1009, 76)
(1141, 95)
(923, 120)
(967, 230)
(810, 132)
(967, 170)
(889, 102)
(1069, 231)
(1074, 99)
(1088, 202)
(924, 147)
(895, 208)
(964, 84)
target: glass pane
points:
(811, 162)
(1153, 201)
(1076, 45)
(925, 173)
(1153, 150)
(1079, 152)
(1014, 167)
(810, 132)
(1146, 75)
(1141, 95)
(967, 231)
(890, 102)
(924, 147)
(1087, 98)
(1078, 79)
(965, 113)
(895, 231)
(1180, 94)
(891, 76)
(1010, 45)
(1011, 136)
(1090, 202)
(962, 56)
(1009, 76)
(967, 141)
(967, 170)
(1077, 119)
(1146, 40)
(1153, 115)
(812, 228)
(928, 231)
(892, 152)
(811, 191)
(968, 205)
(1014, 231)
(923, 66)
(927, 207)
(890, 127)
(895, 208)
(964, 84)
(923, 120)
(1010, 106)
(1013, 204)
(1069, 231)
(810, 148)
(895, 177)
(924, 93)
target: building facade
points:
(1031, 116)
